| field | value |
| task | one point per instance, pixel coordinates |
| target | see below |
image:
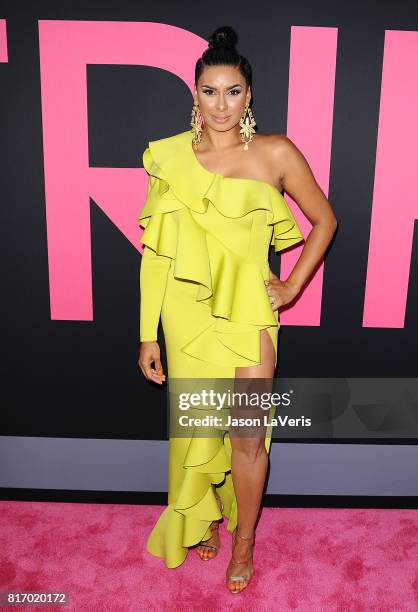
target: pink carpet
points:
(305, 559)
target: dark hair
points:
(222, 50)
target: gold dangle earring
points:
(247, 123)
(197, 125)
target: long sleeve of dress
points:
(153, 281)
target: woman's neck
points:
(217, 141)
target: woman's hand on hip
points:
(149, 354)
(280, 292)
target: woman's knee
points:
(251, 449)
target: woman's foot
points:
(240, 568)
(209, 548)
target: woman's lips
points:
(221, 119)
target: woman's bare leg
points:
(249, 465)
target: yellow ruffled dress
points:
(205, 260)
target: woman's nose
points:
(221, 103)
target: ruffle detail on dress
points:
(166, 160)
(171, 229)
(232, 201)
(286, 231)
(234, 338)
(206, 463)
(186, 522)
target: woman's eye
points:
(233, 91)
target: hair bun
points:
(225, 37)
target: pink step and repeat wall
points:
(82, 94)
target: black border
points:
(160, 499)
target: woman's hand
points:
(280, 292)
(149, 352)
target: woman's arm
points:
(299, 182)
(153, 281)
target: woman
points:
(213, 209)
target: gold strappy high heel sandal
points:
(246, 576)
(209, 551)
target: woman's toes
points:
(236, 586)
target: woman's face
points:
(222, 94)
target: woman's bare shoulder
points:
(273, 149)
(276, 144)
(280, 149)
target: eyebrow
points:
(232, 86)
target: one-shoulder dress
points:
(205, 260)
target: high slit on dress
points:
(203, 268)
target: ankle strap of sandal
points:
(242, 537)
